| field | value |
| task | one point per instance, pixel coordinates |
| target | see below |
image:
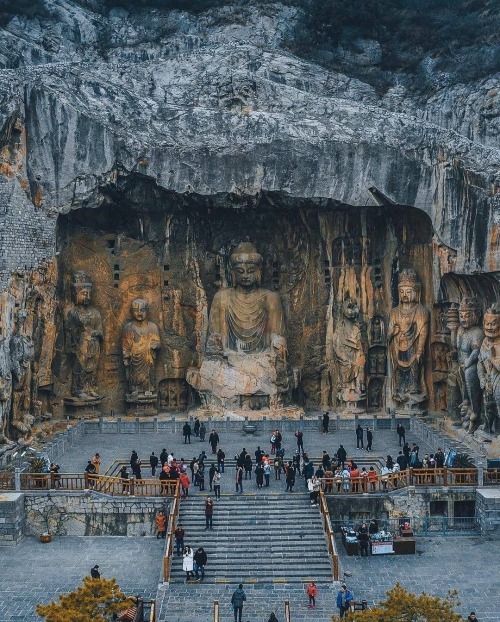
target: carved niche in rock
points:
(246, 349)
(349, 357)
(173, 394)
(21, 355)
(463, 380)
(488, 368)
(84, 337)
(407, 336)
(376, 393)
(140, 344)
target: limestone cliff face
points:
(214, 105)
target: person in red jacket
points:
(312, 592)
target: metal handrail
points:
(169, 545)
(329, 534)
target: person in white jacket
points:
(187, 562)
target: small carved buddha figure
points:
(488, 368)
(463, 379)
(349, 355)
(84, 335)
(407, 334)
(246, 318)
(140, 343)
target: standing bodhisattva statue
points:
(488, 368)
(247, 317)
(407, 335)
(84, 335)
(140, 343)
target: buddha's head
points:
(350, 308)
(246, 266)
(139, 308)
(81, 287)
(409, 287)
(469, 312)
(491, 321)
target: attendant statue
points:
(84, 336)
(488, 368)
(407, 335)
(349, 356)
(140, 344)
(21, 356)
(463, 379)
(246, 318)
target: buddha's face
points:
(492, 325)
(351, 309)
(407, 294)
(246, 275)
(139, 310)
(468, 318)
(83, 295)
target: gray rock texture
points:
(214, 106)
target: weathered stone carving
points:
(21, 355)
(349, 356)
(5, 389)
(488, 368)
(407, 335)
(140, 344)
(246, 349)
(463, 379)
(84, 335)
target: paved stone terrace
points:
(34, 573)
(113, 446)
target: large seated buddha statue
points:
(245, 359)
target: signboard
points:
(450, 457)
(382, 548)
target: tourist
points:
(389, 463)
(359, 436)
(200, 561)
(188, 562)
(341, 456)
(216, 482)
(179, 534)
(209, 513)
(312, 592)
(164, 479)
(136, 469)
(346, 480)
(320, 473)
(272, 440)
(259, 474)
(185, 482)
(197, 427)
(153, 461)
(221, 456)
(54, 472)
(406, 453)
(237, 600)
(211, 473)
(170, 457)
(267, 472)
(296, 461)
(338, 477)
(213, 439)
(161, 525)
(94, 572)
(290, 477)
(90, 470)
(239, 479)
(329, 479)
(247, 463)
(402, 462)
(278, 441)
(313, 488)
(96, 461)
(385, 471)
(472, 617)
(299, 435)
(364, 479)
(307, 469)
(344, 600)
(439, 458)
(369, 439)
(196, 467)
(325, 459)
(372, 478)
(133, 458)
(259, 454)
(326, 422)
(373, 526)
(401, 434)
(201, 476)
(272, 617)
(124, 477)
(163, 456)
(277, 468)
(363, 539)
(203, 431)
(186, 431)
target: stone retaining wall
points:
(488, 509)
(11, 518)
(89, 514)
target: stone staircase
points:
(272, 543)
(257, 538)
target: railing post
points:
(86, 475)
(17, 479)
(445, 476)
(119, 425)
(480, 474)
(410, 476)
(132, 486)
